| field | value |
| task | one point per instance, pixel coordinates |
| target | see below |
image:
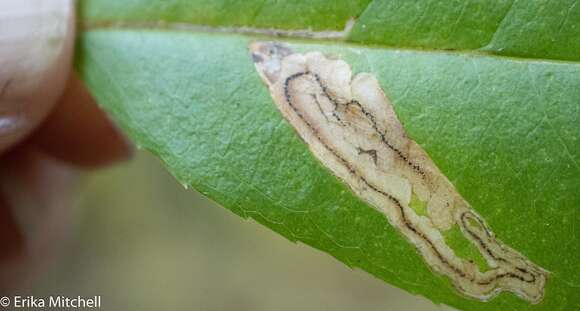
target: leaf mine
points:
(351, 127)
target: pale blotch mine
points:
(351, 127)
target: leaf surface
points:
(505, 131)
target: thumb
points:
(36, 41)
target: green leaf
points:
(505, 131)
(532, 29)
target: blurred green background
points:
(143, 242)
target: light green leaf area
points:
(505, 131)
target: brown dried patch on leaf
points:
(351, 127)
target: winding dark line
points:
(371, 118)
(492, 255)
(373, 121)
(352, 171)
